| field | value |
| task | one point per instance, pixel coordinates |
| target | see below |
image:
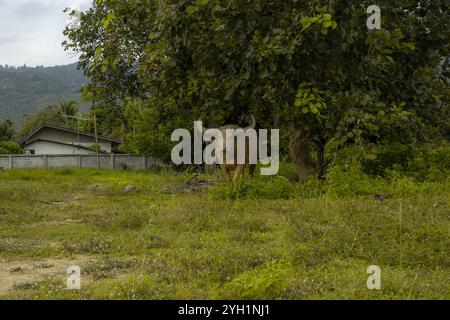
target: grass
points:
(268, 238)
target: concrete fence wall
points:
(110, 161)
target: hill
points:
(25, 90)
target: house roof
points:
(61, 143)
(81, 133)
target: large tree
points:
(6, 130)
(310, 68)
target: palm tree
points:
(67, 109)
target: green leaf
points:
(191, 9)
(371, 156)
(109, 19)
(314, 109)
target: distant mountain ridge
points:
(25, 90)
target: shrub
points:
(422, 162)
(349, 179)
(9, 147)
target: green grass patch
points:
(264, 238)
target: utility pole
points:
(96, 142)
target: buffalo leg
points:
(238, 172)
(252, 170)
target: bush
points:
(421, 162)
(9, 147)
(152, 134)
(393, 171)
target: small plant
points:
(95, 245)
(134, 287)
(258, 188)
(107, 267)
(264, 282)
(132, 221)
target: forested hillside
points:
(25, 90)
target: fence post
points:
(144, 161)
(112, 161)
(45, 162)
(79, 161)
(10, 162)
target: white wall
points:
(110, 161)
(44, 147)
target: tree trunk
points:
(321, 163)
(301, 157)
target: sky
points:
(31, 31)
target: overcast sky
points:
(31, 31)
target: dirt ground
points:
(22, 273)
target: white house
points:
(50, 139)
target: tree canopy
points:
(309, 68)
(6, 130)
